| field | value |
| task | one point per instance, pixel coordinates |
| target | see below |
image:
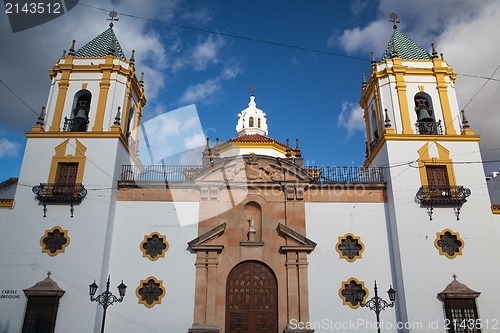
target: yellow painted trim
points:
(84, 86)
(65, 234)
(61, 157)
(6, 203)
(344, 283)
(379, 113)
(254, 145)
(92, 135)
(467, 131)
(162, 254)
(140, 301)
(368, 130)
(126, 108)
(443, 160)
(103, 93)
(399, 72)
(61, 98)
(441, 252)
(341, 238)
(420, 137)
(389, 135)
(495, 209)
(421, 88)
(442, 88)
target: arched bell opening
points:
(79, 117)
(426, 119)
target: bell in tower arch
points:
(424, 112)
(80, 115)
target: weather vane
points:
(112, 18)
(393, 19)
(253, 88)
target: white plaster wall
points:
(257, 151)
(424, 272)
(134, 220)
(325, 222)
(21, 260)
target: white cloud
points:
(357, 6)
(200, 91)
(190, 123)
(374, 37)
(194, 141)
(351, 118)
(8, 148)
(206, 52)
(203, 92)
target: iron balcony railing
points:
(345, 174)
(373, 144)
(442, 194)
(60, 192)
(325, 174)
(429, 128)
(159, 172)
(75, 124)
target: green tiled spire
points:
(99, 46)
(406, 48)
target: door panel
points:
(251, 299)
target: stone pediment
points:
(253, 168)
(302, 243)
(223, 170)
(201, 242)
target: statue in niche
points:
(251, 230)
(252, 224)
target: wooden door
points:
(251, 299)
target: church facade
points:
(251, 240)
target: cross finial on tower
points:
(253, 88)
(393, 19)
(454, 277)
(112, 18)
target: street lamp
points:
(106, 298)
(376, 303)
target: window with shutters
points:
(41, 314)
(460, 308)
(41, 310)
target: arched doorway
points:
(251, 299)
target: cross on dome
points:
(252, 120)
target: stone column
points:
(205, 292)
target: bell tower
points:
(74, 156)
(409, 93)
(417, 134)
(95, 90)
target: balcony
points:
(72, 193)
(75, 124)
(349, 174)
(320, 174)
(442, 194)
(159, 172)
(60, 192)
(429, 128)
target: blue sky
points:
(306, 95)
